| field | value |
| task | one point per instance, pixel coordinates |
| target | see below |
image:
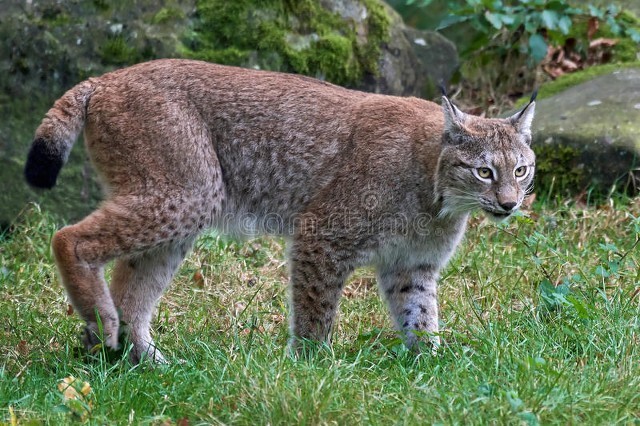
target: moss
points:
(292, 36)
(117, 51)
(378, 26)
(557, 171)
(56, 18)
(566, 81)
(168, 14)
(101, 5)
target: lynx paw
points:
(300, 348)
(422, 342)
(94, 338)
(150, 353)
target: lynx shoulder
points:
(348, 178)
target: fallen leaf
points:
(23, 348)
(198, 279)
(592, 27)
(77, 396)
(569, 65)
(606, 42)
(277, 318)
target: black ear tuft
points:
(442, 87)
(43, 164)
(534, 95)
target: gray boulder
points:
(413, 62)
(588, 136)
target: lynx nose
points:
(508, 206)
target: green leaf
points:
(529, 418)
(596, 11)
(634, 34)
(485, 389)
(494, 19)
(608, 247)
(580, 308)
(507, 19)
(565, 24)
(532, 23)
(549, 19)
(423, 3)
(515, 402)
(450, 20)
(61, 409)
(613, 9)
(601, 271)
(553, 297)
(614, 26)
(557, 5)
(537, 47)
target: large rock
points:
(47, 46)
(413, 62)
(588, 136)
(369, 47)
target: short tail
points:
(56, 135)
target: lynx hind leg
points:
(81, 272)
(124, 226)
(317, 279)
(137, 284)
(411, 294)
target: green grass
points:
(540, 325)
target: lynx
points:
(347, 178)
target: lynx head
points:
(485, 163)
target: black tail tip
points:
(43, 164)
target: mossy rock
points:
(361, 44)
(567, 81)
(587, 137)
(308, 37)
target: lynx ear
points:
(522, 120)
(454, 119)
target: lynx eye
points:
(520, 171)
(484, 172)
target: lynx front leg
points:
(137, 284)
(317, 279)
(411, 294)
